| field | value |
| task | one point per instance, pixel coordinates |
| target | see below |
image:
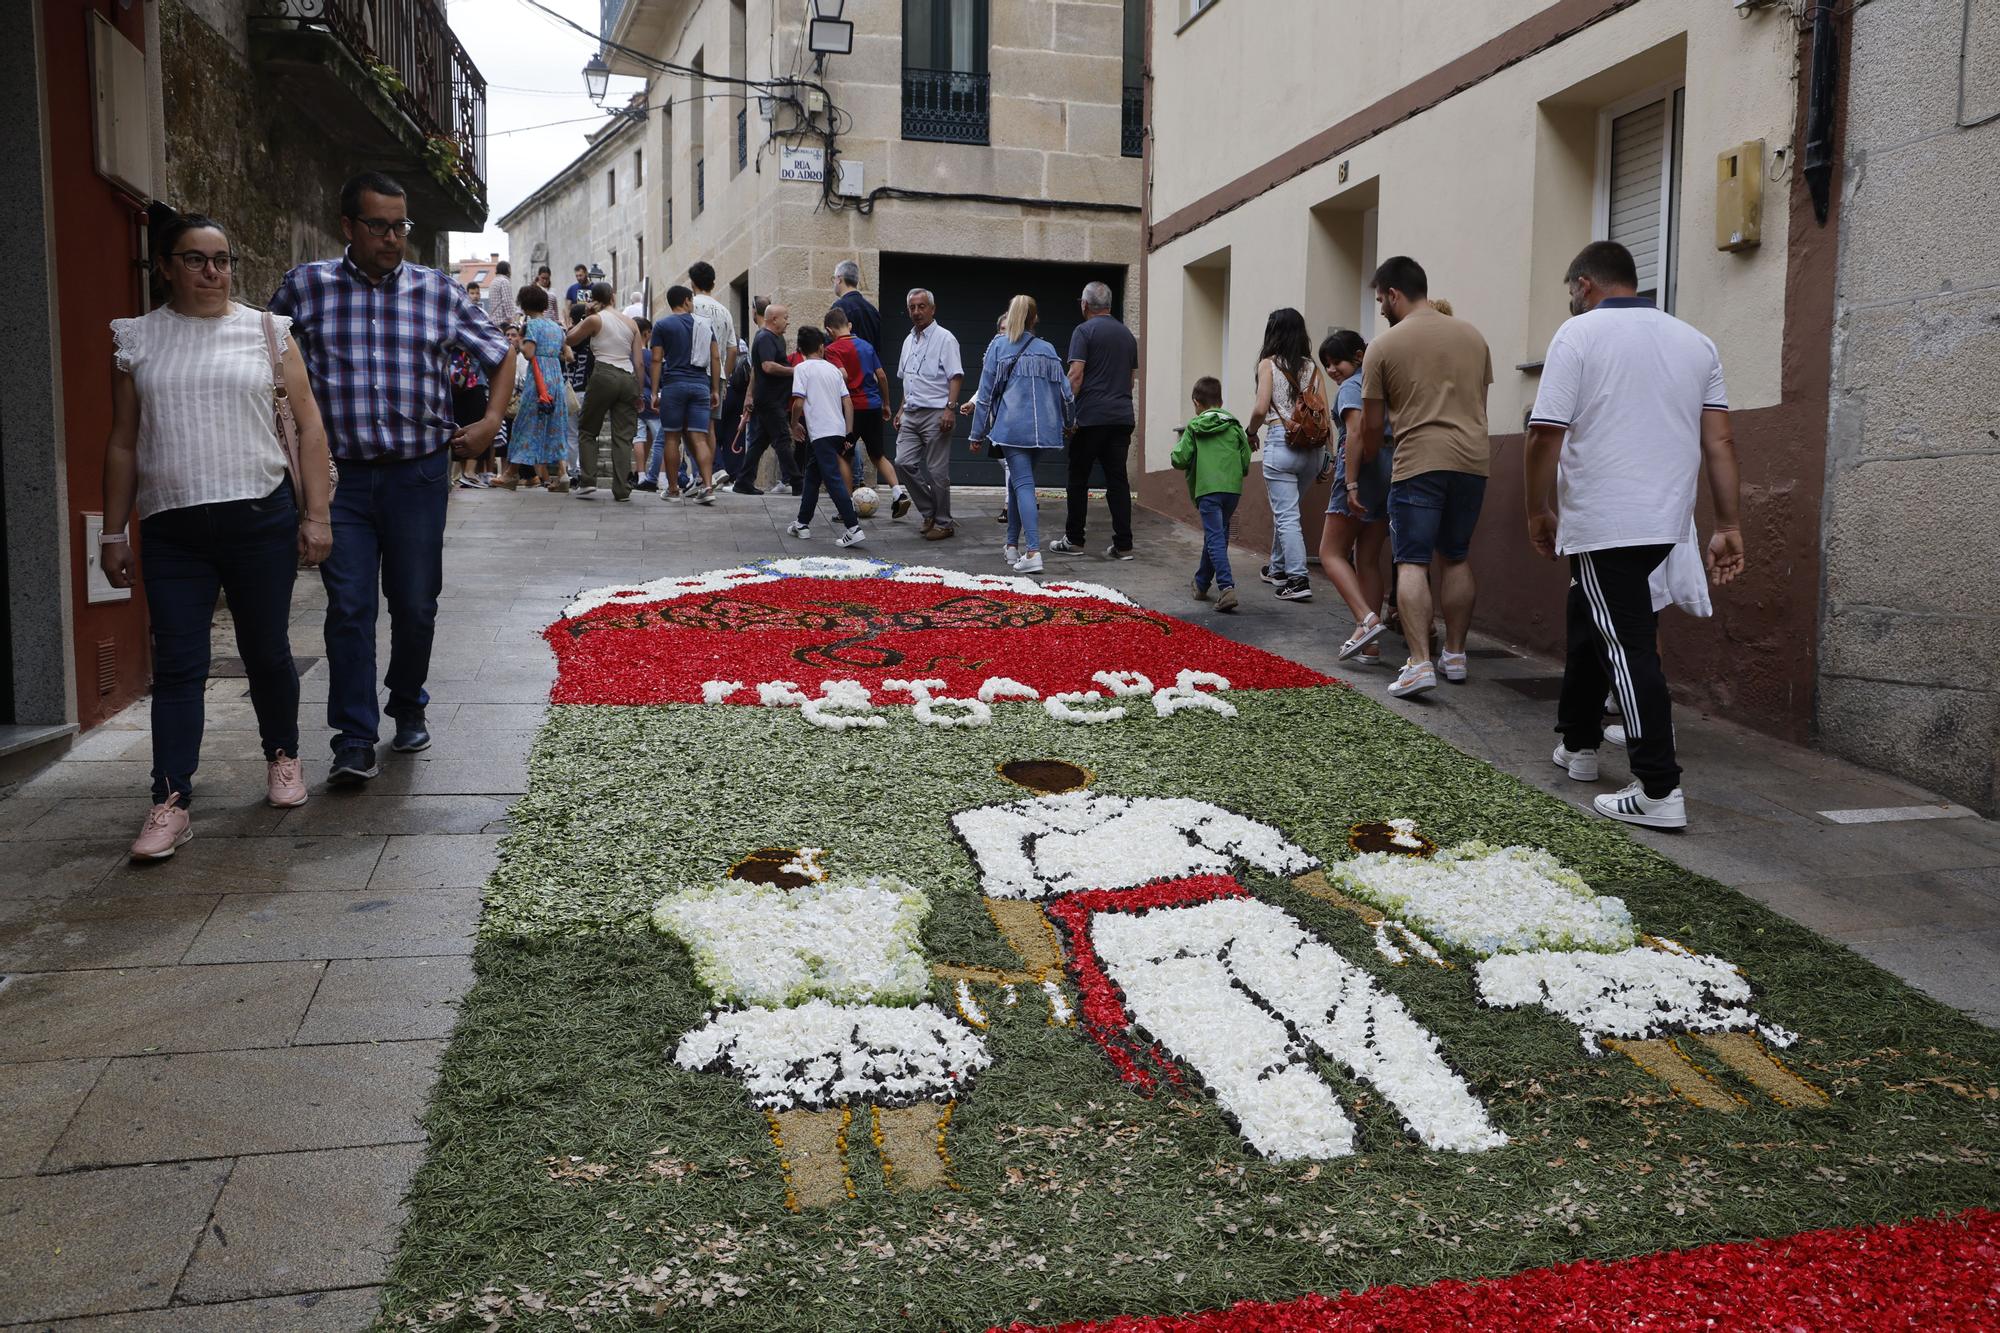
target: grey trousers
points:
(923, 460)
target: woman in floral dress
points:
(540, 435)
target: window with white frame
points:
(1638, 186)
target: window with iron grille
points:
(1132, 106)
(700, 186)
(947, 91)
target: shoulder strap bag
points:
(281, 411)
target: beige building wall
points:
(1056, 70)
(577, 219)
(1492, 190)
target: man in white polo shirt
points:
(933, 377)
(1631, 405)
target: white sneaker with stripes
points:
(1633, 806)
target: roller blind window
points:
(1641, 212)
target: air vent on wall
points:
(107, 667)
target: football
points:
(866, 502)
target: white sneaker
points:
(1415, 678)
(854, 536)
(801, 531)
(779, 489)
(721, 478)
(1011, 554)
(1029, 564)
(1633, 806)
(1580, 764)
(580, 490)
(1452, 667)
(1615, 735)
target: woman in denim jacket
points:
(1025, 405)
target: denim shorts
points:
(1434, 513)
(684, 405)
(1374, 478)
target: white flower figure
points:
(1544, 937)
(1165, 943)
(820, 991)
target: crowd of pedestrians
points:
(328, 431)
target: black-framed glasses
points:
(194, 261)
(383, 226)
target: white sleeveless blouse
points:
(206, 430)
(611, 345)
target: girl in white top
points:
(194, 447)
(1285, 369)
(613, 390)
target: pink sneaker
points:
(165, 830)
(285, 781)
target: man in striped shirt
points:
(377, 335)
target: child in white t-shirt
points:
(822, 419)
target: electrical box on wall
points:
(1739, 196)
(122, 122)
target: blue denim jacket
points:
(1036, 407)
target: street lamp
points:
(596, 77)
(827, 33)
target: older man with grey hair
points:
(933, 377)
(862, 316)
(1103, 360)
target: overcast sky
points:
(534, 75)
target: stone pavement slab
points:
(386, 999)
(313, 1312)
(427, 861)
(99, 930)
(36, 1101)
(141, 1011)
(384, 812)
(221, 865)
(168, 1108)
(99, 1241)
(260, 1242)
(372, 923)
(54, 869)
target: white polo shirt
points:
(1629, 383)
(824, 387)
(930, 359)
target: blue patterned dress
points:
(540, 437)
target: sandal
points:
(1364, 634)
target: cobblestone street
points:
(214, 1065)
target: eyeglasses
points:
(194, 261)
(383, 226)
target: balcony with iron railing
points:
(388, 80)
(946, 106)
(742, 138)
(700, 186)
(1132, 121)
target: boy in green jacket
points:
(1215, 453)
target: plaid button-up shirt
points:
(379, 354)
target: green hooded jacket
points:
(1214, 452)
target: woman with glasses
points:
(195, 448)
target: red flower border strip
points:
(1100, 1006)
(1934, 1273)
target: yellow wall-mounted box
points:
(1739, 196)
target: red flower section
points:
(807, 630)
(1938, 1273)
(1101, 1009)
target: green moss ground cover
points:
(577, 1176)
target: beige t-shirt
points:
(1431, 373)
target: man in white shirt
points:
(822, 420)
(1631, 404)
(933, 376)
(500, 304)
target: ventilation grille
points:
(107, 667)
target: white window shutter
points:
(1638, 190)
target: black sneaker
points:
(1296, 589)
(899, 506)
(1064, 546)
(1120, 553)
(745, 488)
(353, 764)
(411, 735)
(644, 485)
(1275, 580)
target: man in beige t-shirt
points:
(1429, 374)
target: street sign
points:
(802, 164)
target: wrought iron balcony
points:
(700, 185)
(401, 53)
(946, 106)
(1133, 122)
(742, 138)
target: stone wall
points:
(1910, 618)
(239, 150)
(569, 222)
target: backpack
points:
(1310, 425)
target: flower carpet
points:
(880, 946)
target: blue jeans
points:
(1024, 520)
(249, 550)
(388, 532)
(823, 466)
(1287, 472)
(1216, 510)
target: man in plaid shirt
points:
(378, 336)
